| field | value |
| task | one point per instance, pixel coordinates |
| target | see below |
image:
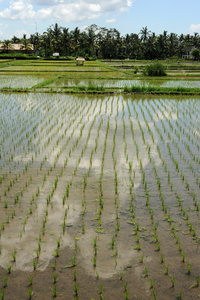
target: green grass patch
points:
(161, 90)
(46, 82)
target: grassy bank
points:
(161, 90)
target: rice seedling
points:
(75, 275)
(197, 281)
(54, 264)
(180, 295)
(154, 295)
(76, 289)
(54, 290)
(112, 242)
(146, 272)
(166, 270)
(183, 256)
(161, 258)
(193, 232)
(83, 228)
(94, 261)
(58, 243)
(56, 254)
(9, 269)
(4, 281)
(151, 282)
(2, 294)
(37, 253)
(158, 247)
(73, 261)
(14, 255)
(188, 268)
(172, 280)
(30, 292)
(125, 286)
(34, 264)
(54, 277)
(141, 258)
(195, 285)
(30, 280)
(137, 238)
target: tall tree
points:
(144, 32)
(26, 46)
(15, 40)
(91, 38)
(173, 44)
(56, 34)
(66, 41)
(75, 40)
(6, 46)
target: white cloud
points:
(111, 21)
(71, 13)
(94, 7)
(44, 13)
(20, 33)
(61, 10)
(129, 3)
(18, 10)
(195, 27)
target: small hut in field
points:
(56, 54)
(80, 61)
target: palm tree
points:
(15, 40)
(46, 42)
(144, 32)
(35, 40)
(6, 46)
(57, 35)
(196, 40)
(65, 39)
(76, 39)
(91, 37)
(26, 46)
(173, 44)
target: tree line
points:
(103, 43)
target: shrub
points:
(196, 54)
(136, 69)
(155, 69)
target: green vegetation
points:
(195, 53)
(101, 43)
(162, 90)
(155, 69)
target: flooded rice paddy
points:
(19, 81)
(99, 197)
(108, 83)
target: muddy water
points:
(77, 171)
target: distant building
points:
(17, 48)
(187, 52)
(56, 54)
(80, 61)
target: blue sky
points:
(18, 17)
